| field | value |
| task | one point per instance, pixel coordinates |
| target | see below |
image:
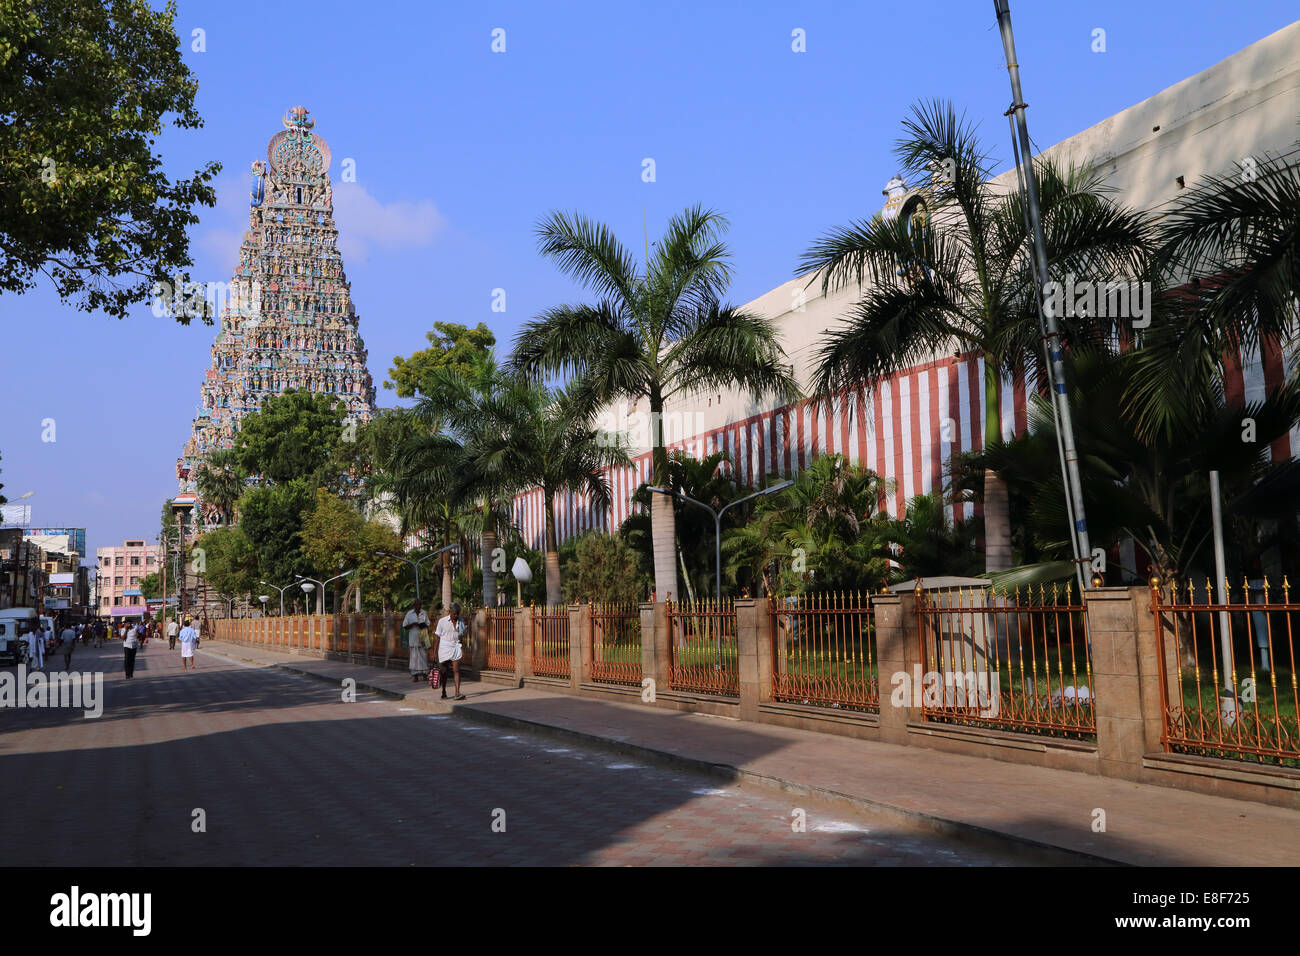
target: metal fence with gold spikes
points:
(1234, 692)
(550, 635)
(1009, 660)
(616, 644)
(702, 649)
(824, 651)
(500, 625)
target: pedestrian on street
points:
(36, 646)
(130, 644)
(173, 629)
(99, 633)
(68, 641)
(189, 640)
(416, 626)
(450, 629)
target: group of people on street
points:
(137, 636)
(134, 636)
(447, 635)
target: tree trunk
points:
(997, 523)
(446, 573)
(489, 542)
(997, 501)
(663, 518)
(554, 595)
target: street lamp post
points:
(336, 590)
(1050, 325)
(281, 590)
(416, 564)
(264, 598)
(308, 585)
(717, 521)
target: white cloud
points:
(364, 221)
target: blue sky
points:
(459, 150)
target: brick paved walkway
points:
(1145, 825)
(286, 772)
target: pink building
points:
(120, 571)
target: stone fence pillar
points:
(478, 631)
(654, 644)
(753, 646)
(523, 642)
(1126, 678)
(579, 645)
(898, 664)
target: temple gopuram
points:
(288, 320)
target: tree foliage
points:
(230, 561)
(151, 586)
(271, 517)
(1154, 488)
(337, 538)
(453, 347)
(825, 532)
(84, 89)
(605, 569)
(292, 436)
(221, 482)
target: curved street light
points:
(336, 596)
(416, 564)
(281, 590)
(308, 585)
(717, 520)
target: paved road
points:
(287, 773)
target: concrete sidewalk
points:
(1047, 814)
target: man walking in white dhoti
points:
(450, 628)
(189, 639)
(416, 626)
(36, 646)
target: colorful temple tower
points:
(287, 321)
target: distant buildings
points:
(121, 570)
(44, 571)
(63, 540)
(22, 571)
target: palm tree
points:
(823, 532)
(925, 545)
(538, 437)
(658, 331)
(1230, 247)
(419, 475)
(954, 271)
(710, 479)
(1154, 488)
(221, 483)
(457, 404)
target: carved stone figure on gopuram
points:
(287, 320)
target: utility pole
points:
(165, 549)
(180, 567)
(1052, 327)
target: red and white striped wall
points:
(905, 430)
